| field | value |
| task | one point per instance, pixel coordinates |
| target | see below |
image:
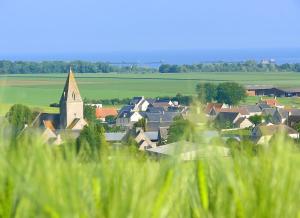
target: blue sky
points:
(91, 26)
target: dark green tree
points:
(256, 119)
(18, 116)
(91, 140)
(181, 129)
(206, 92)
(230, 93)
(110, 119)
(89, 113)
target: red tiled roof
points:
(210, 106)
(270, 102)
(48, 124)
(104, 112)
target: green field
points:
(41, 90)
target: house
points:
(95, 105)
(212, 109)
(272, 102)
(154, 121)
(243, 123)
(102, 113)
(232, 120)
(165, 103)
(188, 151)
(143, 140)
(275, 115)
(114, 137)
(263, 133)
(243, 111)
(128, 118)
(139, 104)
(280, 116)
(226, 120)
(259, 90)
(294, 117)
(252, 110)
(263, 106)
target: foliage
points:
(19, 116)
(123, 185)
(141, 123)
(26, 67)
(110, 119)
(181, 129)
(89, 113)
(248, 66)
(230, 93)
(256, 119)
(207, 92)
(113, 101)
(91, 140)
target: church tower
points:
(71, 104)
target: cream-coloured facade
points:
(71, 105)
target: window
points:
(73, 95)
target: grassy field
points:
(41, 90)
(44, 181)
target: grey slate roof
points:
(153, 136)
(252, 108)
(114, 136)
(164, 117)
(125, 114)
(155, 110)
(135, 100)
(223, 117)
(126, 108)
(268, 111)
(263, 106)
(155, 126)
(283, 113)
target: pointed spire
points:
(71, 91)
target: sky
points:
(93, 26)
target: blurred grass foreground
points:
(41, 181)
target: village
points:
(148, 120)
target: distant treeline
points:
(248, 66)
(27, 67)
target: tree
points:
(19, 116)
(256, 119)
(89, 113)
(181, 129)
(141, 123)
(110, 119)
(91, 140)
(230, 93)
(206, 92)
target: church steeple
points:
(71, 92)
(71, 104)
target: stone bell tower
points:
(71, 104)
